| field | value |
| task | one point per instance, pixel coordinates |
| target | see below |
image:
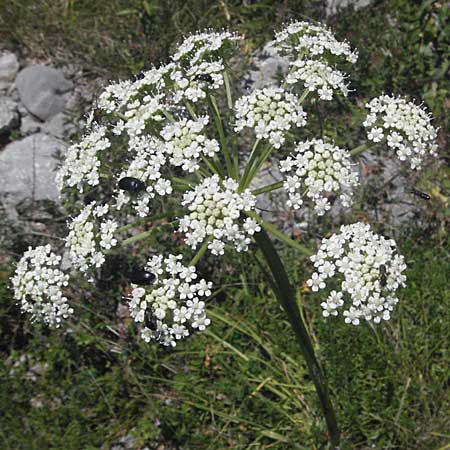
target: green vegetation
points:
(242, 384)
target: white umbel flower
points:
(369, 269)
(271, 112)
(185, 143)
(82, 161)
(317, 76)
(90, 237)
(38, 286)
(146, 166)
(214, 211)
(174, 301)
(312, 41)
(317, 168)
(405, 126)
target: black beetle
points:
(141, 277)
(204, 77)
(150, 320)
(383, 275)
(132, 185)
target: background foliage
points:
(243, 383)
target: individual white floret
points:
(90, 237)
(215, 208)
(369, 271)
(38, 285)
(81, 165)
(173, 300)
(405, 126)
(271, 112)
(316, 169)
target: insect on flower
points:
(150, 320)
(141, 277)
(132, 185)
(204, 77)
(420, 194)
(383, 275)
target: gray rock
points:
(267, 65)
(9, 66)
(59, 126)
(29, 125)
(9, 116)
(27, 169)
(41, 90)
(333, 6)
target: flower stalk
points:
(285, 295)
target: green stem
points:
(222, 138)
(272, 229)
(212, 166)
(226, 79)
(169, 116)
(137, 237)
(268, 188)
(200, 252)
(286, 297)
(360, 149)
(249, 165)
(264, 155)
(191, 110)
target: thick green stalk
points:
(286, 297)
(360, 149)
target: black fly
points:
(420, 194)
(383, 275)
(132, 185)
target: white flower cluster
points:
(117, 97)
(89, 238)
(38, 284)
(270, 112)
(307, 40)
(194, 83)
(185, 143)
(317, 76)
(172, 302)
(82, 163)
(406, 126)
(146, 167)
(215, 209)
(204, 46)
(370, 270)
(312, 47)
(316, 168)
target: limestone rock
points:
(267, 64)
(42, 90)
(333, 6)
(9, 66)
(27, 169)
(9, 117)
